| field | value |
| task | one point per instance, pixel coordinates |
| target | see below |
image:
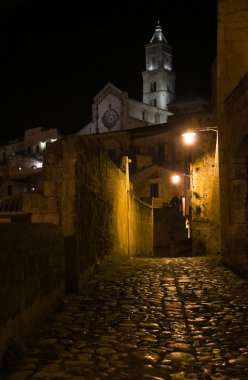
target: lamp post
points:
(189, 137)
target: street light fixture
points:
(175, 179)
(189, 137)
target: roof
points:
(158, 35)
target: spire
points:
(158, 35)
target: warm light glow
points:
(175, 179)
(189, 137)
(42, 145)
(183, 206)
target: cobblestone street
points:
(153, 319)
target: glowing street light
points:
(175, 179)
(189, 137)
(178, 179)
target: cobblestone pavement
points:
(153, 319)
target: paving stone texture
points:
(147, 319)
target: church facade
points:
(113, 110)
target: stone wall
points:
(205, 200)
(140, 228)
(232, 65)
(32, 277)
(236, 238)
(95, 206)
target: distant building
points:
(189, 104)
(21, 161)
(158, 79)
(113, 110)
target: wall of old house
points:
(95, 204)
(205, 200)
(160, 176)
(236, 239)
(140, 228)
(32, 277)
(231, 66)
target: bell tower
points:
(158, 79)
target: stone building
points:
(158, 79)
(113, 110)
(231, 104)
(21, 161)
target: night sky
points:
(55, 56)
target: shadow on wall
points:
(32, 280)
(170, 233)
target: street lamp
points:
(175, 179)
(189, 137)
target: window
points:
(37, 148)
(9, 190)
(133, 150)
(143, 115)
(161, 152)
(157, 118)
(154, 193)
(153, 86)
(112, 153)
(155, 102)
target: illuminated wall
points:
(97, 209)
(205, 200)
(157, 175)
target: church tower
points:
(158, 79)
